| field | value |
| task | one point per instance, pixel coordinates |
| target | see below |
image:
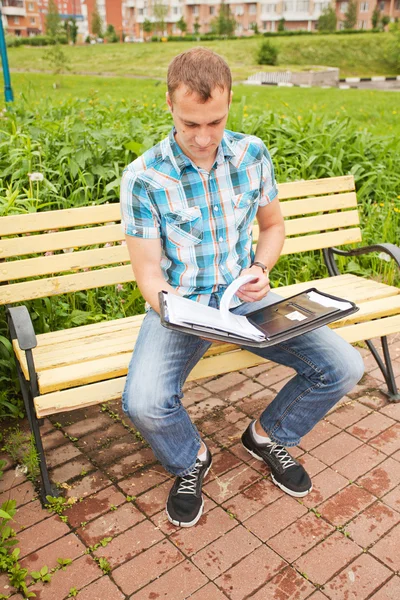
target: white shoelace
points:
(282, 455)
(189, 481)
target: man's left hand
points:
(254, 290)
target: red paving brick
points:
(222, 462)
(346, 504)
(387, 549)
(84, 426)
(359, 462)
(348, 414)
(202, 409)
(383, 478)
(22, 494)
(231, 434)
(327, 558)
(254, 499)
(77, 575)
(147, 566)
(242, 390)
(177, 584)
(224, 487)
(153, 501)
(336, 448)
(127, 465)
(142, 481)
(110, 524)
(68, 546)
(94, 506)
(325, 484)
(115, 451)
(272, 376)
(358, 580)
(62, 454)
(390, 591)
(28, 515)
(208, 592)
(370, 426)
(299, 537)
(72, 469)
(322, 432)
(392, 410)
(220, 384)
(389, 440)
(225, 552)
(102, 589)
(90, 484)
(372, 523)
(41, 534)
(262, 564)
(211, 526)
(275, 517)
(54, 440)
(393, 499)
(312, 465)
(287, 585)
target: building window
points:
(238, 10)
(363, 6)
(302, 5)
(140, 12)
(289, 6)
(175, 10)
(212, 10)
(362, 24)
(382, 5)
(268, 8)
(195, 10)
(16, 20)
(397, 5)
(252, 9)
(32, 20)
(30, 6)
(343, 7)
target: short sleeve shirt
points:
(203, 219)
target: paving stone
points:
(101, 589)
(127, 465)
(90, 484)
(383, 478)
(390, 591)
(287, 585)
(389, 440)
(393, 499)
(116, 450)
(312, 465)
(74, 416)
(279, 385)
(208, 592)
(141, 481)
(129, 544)
(9, 462)
(346, 504)
(231, 434)
(299, 537)
(68, 546)
(253, 499)
(41, 534)
(153, 501)
(203, 408)
(78, 574)
(275, 517)
(177, 584)
(375, 399)
(233, 415)
(223, 462)
(98, 438)
(377, 373)
(12, 478)
(110, 524)
(361, 389)
(28, 515)
(225, 382)
(214, 422)
(336, 448)
(387, 549)
(52, 440)
(262, 563)
(195, 395)
(372, 523)
(94, 506)
(357, 463)
(83, 427)
(224, 487)
(358, 580)
(272, 376)
(324, 560)
(348, 414)
(256, 404)
(241, 390)
(370, 426)
(325, 484)
(71, 470)
(225, 552)
(62, 454)
(258, 369)
(392, 410)
(147, 566)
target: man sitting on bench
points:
(188, 206)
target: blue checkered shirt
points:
(203, 219)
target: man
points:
(188, 205)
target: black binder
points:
(271, 320)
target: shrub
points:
(267, 54)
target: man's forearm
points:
(150, 287)
(270, 244)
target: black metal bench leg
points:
(46, 488)
(386, 369)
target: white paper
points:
(328, 302)
(296, 316)
(231, 291)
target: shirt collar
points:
(179, 159)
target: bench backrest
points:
(83, 248)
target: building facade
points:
(20, 17)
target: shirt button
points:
(221, 239)
(215, 208)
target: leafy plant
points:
(42, 575)
(267, 54)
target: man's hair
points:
(201, 70)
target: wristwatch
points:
(264, 268)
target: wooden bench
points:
(86, 365)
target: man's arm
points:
(269, 247)
(145, 255)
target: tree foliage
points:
(267, 54)
(97, 23)
(327, 20)
(281, 24)
(350, 18)
(224, 23)
(181, 25)
(375, 17)
(53, 19)
(160, 11)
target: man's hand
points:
(254, 290)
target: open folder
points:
(264, 327)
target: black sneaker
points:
(286, 472)
(185, 502)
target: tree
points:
(196, 26)
(147, 26)
(350, 18)
(160, 11)
(267, 54)
(73, 31)
(181, 25)
(375, 17)
(111, 35)
(224, 23)
(53, 20)
(281, 24)
(97, 23)
(385, 21)
(327, 20)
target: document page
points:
(328, 302)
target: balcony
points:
(13, 8)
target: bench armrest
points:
(21, 327)
(390, 249)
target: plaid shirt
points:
(204, 219)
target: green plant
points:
(327, 20)
(104, 565)
(73, 592)
(350, 18)
(64, 562)
(281, 24)
(42, 575)
(267, 54)
(20, 445)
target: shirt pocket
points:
(245, 207)
(184, 227)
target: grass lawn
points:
(354, 54)
(376, 111)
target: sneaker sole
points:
(277, 483)
(198, 516)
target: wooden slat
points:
(75, 238)
(321, 240)
(371, 329)
(322, 222)
(293, 208)
(71, 261)
(316, 187)
(20, 292)
(59, 219)
(375, 309)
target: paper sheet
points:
(328, 302)
(231, 291)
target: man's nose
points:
(202, 140)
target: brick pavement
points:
(340, 542)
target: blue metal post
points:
(8, 93)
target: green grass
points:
(353, 54)
(376, 111)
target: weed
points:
(64, 562)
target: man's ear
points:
(230, 100)
(169, 101)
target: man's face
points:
(199, 125)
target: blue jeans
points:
(327, 368)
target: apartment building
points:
(389, 8)
(21, 17)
